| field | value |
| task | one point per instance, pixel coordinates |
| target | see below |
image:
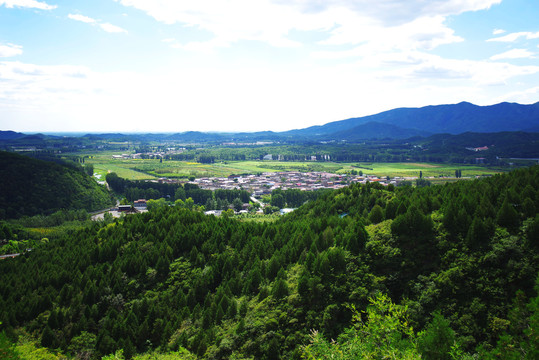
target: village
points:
(265, 183)
(262, 184)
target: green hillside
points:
(439, 270)
(30, 187)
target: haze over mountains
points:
(401, 123)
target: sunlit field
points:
(144, 169)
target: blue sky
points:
(249, 65)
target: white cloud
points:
(252, 98)
(429, 68)
(527, 96)
(81, 18)
(112, 28)
(10, 50)
(104, 26)
(395, 12)
(27, 4)
(421, 24)
(35, 86)
(18, 71)
(515, 36)
(423, 33)
(498, 31)
(513, 54)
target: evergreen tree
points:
(507, 216)
(48, 338)
(436, 341)
(376, 215)
(280, 289)
(278, 200)
(83, 346)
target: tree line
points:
(134, 190)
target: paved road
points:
(8, 256)
(253, 199)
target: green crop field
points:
(428, 169)
(139, 169)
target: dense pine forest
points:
(36, 187)
(434, 272)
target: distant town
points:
(265, 183)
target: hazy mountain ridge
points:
(10, 135)
(452, 119)
(398, 123)
(375, 130)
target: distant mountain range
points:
(373, 130)
(401, 123)
(439, 119)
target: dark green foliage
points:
(521, 339)
(280, 289)
(422, 182)
(436, 341)
(480, 232)
(294, 198)
(83, 346)
(277, 200)
(384, 334)
(412, 224)
(238, 204)
(532, 233)
(134, 190)
(7, 349)
(223, 288)
(376, 215)
(507, 216)
(48, 338)
(31, 187)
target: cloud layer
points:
(419, 23)
(513, 54)
(27, 4)
(273, 64)
(104, 26)
(10, 50)
(516, 36)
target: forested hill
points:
(460, 260)
(30, 187)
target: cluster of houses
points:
(265, 183)
(476, 149)
(149, 155)
(138, 206)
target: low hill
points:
(30, 187)
(482, 145)
(10, 135)
(196, 136)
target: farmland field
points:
(428, 169)
(143, 169)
